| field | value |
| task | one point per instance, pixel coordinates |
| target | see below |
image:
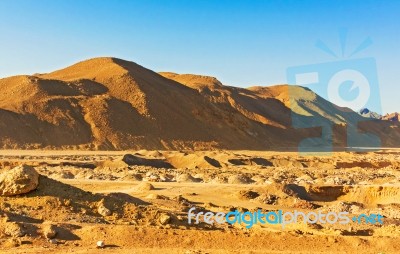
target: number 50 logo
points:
(349, 84)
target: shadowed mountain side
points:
(288, 107)
(28, 131)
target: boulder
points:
(102, 209)
(19, 180)
(49, 231)
(144, 187)
(14, 229)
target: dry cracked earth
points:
(138, 201)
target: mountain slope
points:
(109, 103)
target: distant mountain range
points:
(395, 117)
(109, 104)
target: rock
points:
(332, 239)
(242, 209)
(247, 194)
(304, 204)
(130, 159)
(156, 196)
(209, 205)
(286, 163)
(49, 231)
(53, 241)
(67, 175)
(19, 180)
(113, 164)
(14, 229)
(164, 219)
(103, 211)
(239, 179)
(4, 217)
(151, 177)
(314, 226)
(12, 243)
(145, 187)
(186, 178)
(133, 177)
(219, 179)
(304, 179)
(269, 199)
(100, 244)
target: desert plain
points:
(137, 201)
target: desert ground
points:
(138, 201)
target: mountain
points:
(395, 117)
(369, 114)
(109, 103)
(392, 117)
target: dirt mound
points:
(239, 179)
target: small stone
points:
(100, 244)
(332, 239)
(164, 219)
(53, 241)
(5, 218)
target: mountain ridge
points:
(395, 116)
(109, 103)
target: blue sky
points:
(242, 43)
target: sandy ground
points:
(148, 194)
